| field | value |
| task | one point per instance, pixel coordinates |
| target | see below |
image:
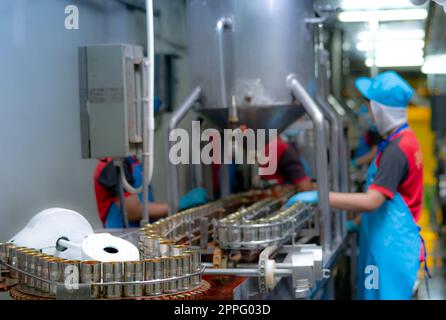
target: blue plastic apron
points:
(389, 243)
(114, 216)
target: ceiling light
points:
(401, 45)
(396, 61)
(392, 35)
(376, 4)
(434, 64)
(383, 15)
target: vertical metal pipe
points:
(222, 25)
(335, 132)
(172, 173)
(317, 117)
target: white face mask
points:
(387, 118)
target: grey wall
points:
(41, 166)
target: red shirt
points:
(289, 166)
(106, 185)
(400, 169)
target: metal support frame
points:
(336, 136)
(172, 173)
(316, 115)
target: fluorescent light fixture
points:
(396, 61)
(434, 64)
(397, 45)
(375, 4)
(392, 35)
(383, 15)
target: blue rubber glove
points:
(193, 198)
(352, 226)
(354, 164)
(305, 197)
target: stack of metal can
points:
(239, 230)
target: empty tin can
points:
(112, 272)
(183, 267)
(170, 271)
(38, 270)
(31, 258)
(236, 235)
(222, 234)
(91, 273)
(70, 273)
(12, 260)
(153, 270)
(195, 265)
(165, 248)
(45, 274)
(21, 256)
(4, 247)
(133, 271)
(152, 247)
(54, 274)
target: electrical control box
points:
(110, 89)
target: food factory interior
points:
(223, 150)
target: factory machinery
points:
(264, 67)
(171, 251)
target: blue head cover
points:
(387, 88)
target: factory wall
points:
(41, 164)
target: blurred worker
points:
(390, 243)
(106, 186)
(368, 144)
(290, 168)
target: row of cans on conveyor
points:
(21, 262)
(177, 226)
(240, 231)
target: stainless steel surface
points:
(172, 173)
(317, 117)
(107, 101)
(252, 64)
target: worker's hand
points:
(193, 198)
(305, 197)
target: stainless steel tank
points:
(241, 52)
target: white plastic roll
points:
(44, 230)
(107, 248)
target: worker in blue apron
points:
(390, 244)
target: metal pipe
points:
(68, 244)
(172, 173)
(336, 134)
(254, 272)
(222, 25)
(317, 117)
(125, 216)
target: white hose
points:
(127, 186)
(148, 109)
